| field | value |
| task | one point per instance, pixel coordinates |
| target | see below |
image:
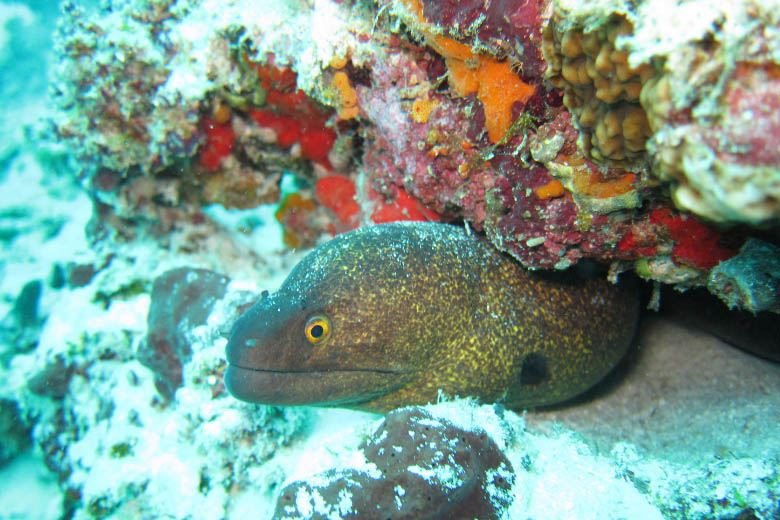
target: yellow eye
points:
(317, 328)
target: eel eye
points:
(317, 328)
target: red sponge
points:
(337, 193)
(403, 208)
(220, 140)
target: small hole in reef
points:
(534, 370)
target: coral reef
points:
(554, 475)
(19, 329)
(117, 443)
(117, 447)
(131, 129)
(505, 29)
(640, 133)
(714, 116)
(14, 431)
(564, 132)
(417, 466)
(707, 492)
(219, 128)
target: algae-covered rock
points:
(182, 299)
(750, 280)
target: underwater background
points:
(164, 162)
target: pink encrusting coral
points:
(718, 143)
(544, 232)
(752, 126)
(434, 161)
(450, 165)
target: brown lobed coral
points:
(600, 86)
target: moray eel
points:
(392, 315)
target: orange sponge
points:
(593, 186)
(552, 189)
(497, 86)
(347, 95)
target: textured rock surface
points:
(691, 86)
(181, 300)
(421, 466)
(751, 279)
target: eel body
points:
(392, 315)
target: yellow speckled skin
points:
(415, 308)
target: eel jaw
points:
(331, 387)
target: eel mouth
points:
(305, 387)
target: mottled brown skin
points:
(418, 308)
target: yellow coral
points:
(421, 109)
(338, 62)
(347, 96)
